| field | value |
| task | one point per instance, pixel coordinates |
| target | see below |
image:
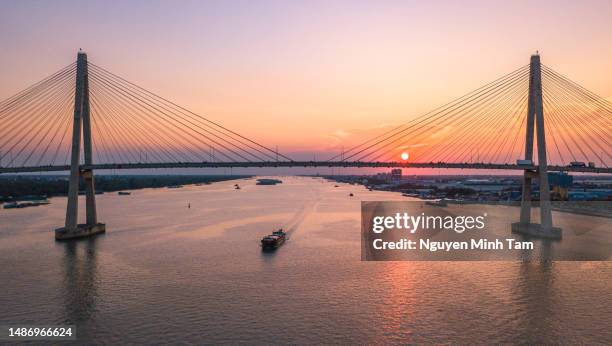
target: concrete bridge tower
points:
(81, 125)
(535, 118)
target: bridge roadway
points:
(353, 164)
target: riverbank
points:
(23, 187)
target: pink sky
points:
(309, 76)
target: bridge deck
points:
(271, 164)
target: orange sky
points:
(308, 76)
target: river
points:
(166, 273)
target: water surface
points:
(165, 273)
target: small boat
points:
(268, 182)
(11, 205)
(237, 187)
(26, 204)
(440, 203)
(124, 193)
(351, 194)
(336, 186)
(274, 240)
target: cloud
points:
(340, 133)
(347, 138)
(411, 146)
(445, 130)
(383, 125)
(337, 136)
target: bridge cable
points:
(192, 113)
(434, 117)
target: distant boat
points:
(351, 194)
(237, 187)
(268, 182)
(440, 203)
(124, 193)
(11, 205)
(16, 205)
(336, 186)
(175, 186)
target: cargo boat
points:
(274, 240)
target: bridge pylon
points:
(81, 125)
(535, 120)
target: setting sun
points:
(405, 156)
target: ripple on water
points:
(153, 279)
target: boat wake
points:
(294, 223)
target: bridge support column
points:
(535, 116)
(81, 122)
(526, 198)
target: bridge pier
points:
(72, 229)
(535, 116)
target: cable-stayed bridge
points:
(84, 118)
